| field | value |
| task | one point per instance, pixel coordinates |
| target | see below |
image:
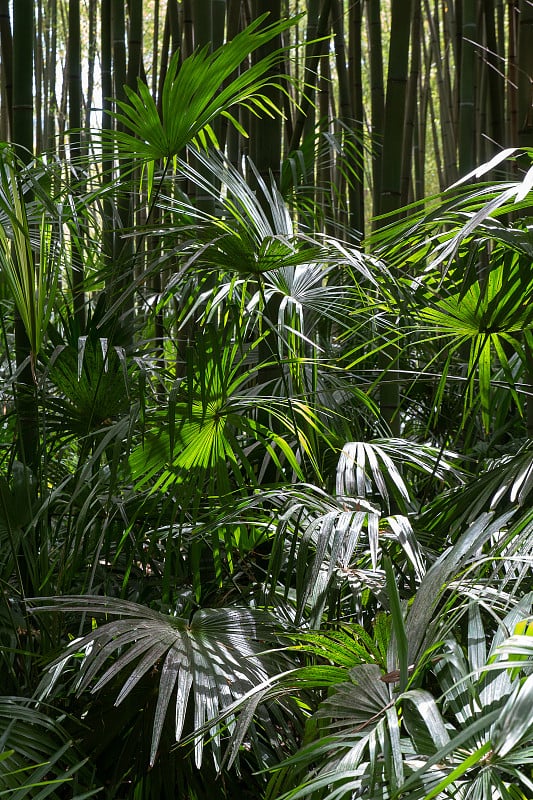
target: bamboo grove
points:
(266, 382)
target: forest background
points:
(266, 379)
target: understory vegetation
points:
(266, 519)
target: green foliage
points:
(36, 756)
(197, 87)
(238, 567)
(31, 255)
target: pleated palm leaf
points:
(92, 384)
(196, 92)
(500, 483)
(470, 207)
(469, 280)
(37, 757)
(493, 318)
(261, 213)
(329, 551)
(294, 288)
(211, 425)
(392, 734)
(195, 667)
(31, 255)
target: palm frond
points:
(37, 758)
(208, 661)
(202, 87)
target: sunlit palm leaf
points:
(31, 263)
(489, 320)
(457, 215)
(208, 661)
(196, 91)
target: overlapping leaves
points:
(209, 660)
(196, 91)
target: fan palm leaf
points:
(213, 423)
(467, 210)
(195, 92)
(491, 318)
(37, 758)
(469, 737)
(209, 660)
(31, 265)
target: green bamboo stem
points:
(23, 132)
(325, 166)
(188, 28)
(106, 59)
(411, 116)
(393, 138)
(135, 42)
(165, 49)
(6, 44)
(317, 28)
(495, 78)
(203, 37)
(512, 75)
(353, 220)
(355, 72)
(442, 48)
(91, 57)
(123, 250)
(266, 133)
(51, 95)
(229, 135)
(467, 92)
(525, 75)
(74, 76)
(377, 97)
(74, 105)
(38, 80)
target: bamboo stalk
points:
(135, 42)
(495, 77)
(267, 133)
(39, 81)
(442, 49)
(411, 107)
(525, 75)
(355, 72)
(377, 97)
(314, 53)
(6, 44)
(23, 133)
(51, 91)
(467, 94)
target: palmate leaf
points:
(515, 723)
(360, 750)
(364, 469)
(323, 545)
(36, 755)
(502, 482)
(489, 319)
(196, 92)
(31, 263)
(209, 661)
(420, 624)
(375, 468)
(465, 211)
(255, 232)
(93, 382)
(469, 738)
(217, 416)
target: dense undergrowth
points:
(265, 504)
